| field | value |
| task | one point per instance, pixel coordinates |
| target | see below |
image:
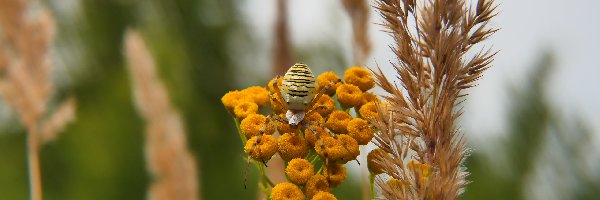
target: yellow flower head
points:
(324, 196)
(271, 88)
(330, 148)
(368, 111)
(261, 147)
(259, 95)
(325, 105)
(312, 137)
(338, 122)
(368, 97)
(286, 191)
(252, 124)
(360, 77)
(299, 171)
(283, 127)
(421, 171)
(315, 117)
(360, 130)
(317, 183)
(292, 145)
(325, 79)
(396, 185)
(372, 160)
(350, 148)
(336, 174)
(349, 95)
(243, 109)
(233, 98)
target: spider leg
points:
(278, 92)
(332, 134)
(320, 93)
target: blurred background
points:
(532, 122)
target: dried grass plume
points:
(168, 160)
(26, 35)
(435, 62)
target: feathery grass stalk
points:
(26, 83)
(418, 124)
(168, 159)
(358, 10)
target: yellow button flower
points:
(350, 148)
(421, 171)
(338, 122)
(233, 98)
(336, 174)
(368, 97)
(261, 148)
(315, 117)
(325, 105)
(312, 137)
(252, 124)
(360, 130)
(259, 95)
(243, 109)
(283, 127)
(330, 148)
(360, 77)
(368, 111)
(286, 191)
(374, 158)
(349, 95)
(292, 145)
(317, 183)
(324, 196)
(325, 79)
(299, 170)
(396, 185)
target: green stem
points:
(242, 136)
(372, 184)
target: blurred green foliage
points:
(532, 124)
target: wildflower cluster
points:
(316, 149)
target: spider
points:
(298, 99)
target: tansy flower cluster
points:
(315, 151)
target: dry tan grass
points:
(172, 166)
(26, 35)
(358, 10)
(419, 123)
